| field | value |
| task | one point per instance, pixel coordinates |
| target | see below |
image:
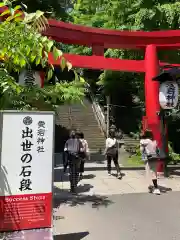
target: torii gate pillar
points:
(152, 97)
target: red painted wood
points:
(76, 34)
(99, 62)
(152, 98)
(152, 91)
(98, 50)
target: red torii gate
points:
(100, 39)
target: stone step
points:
(131, 142)
(95, 144)
(83, 118)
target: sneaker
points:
(119, 176)
(157, 191)
(73, 191)
(150, 188)
(109, 173)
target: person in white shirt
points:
(84, 155)
(149, 151)
(111, 152)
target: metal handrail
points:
(70, 116)
(96, 109)
(98, 112)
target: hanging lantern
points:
(168, 94)
(30, 78)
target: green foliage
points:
(58, 9)
(23, 47)
(16, 13)
(21, 42)
(138, 152)
(134, 161)
(135, 135)
(129, 15)
(15, 96)
(173, 157)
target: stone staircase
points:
(82, 118)
(129, 140)
(129, 144)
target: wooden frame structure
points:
(101, 39)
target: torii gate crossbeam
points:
(99, 62)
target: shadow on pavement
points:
(164, 189)
(89, 176)
(59, 176)
(34, 234)
(122, 174)
(58, 217)
(84, 188)
(174, 173)
(71, 236)
(96, 157)
(161, 188)
(65, 197)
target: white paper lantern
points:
(168, 95)
(29, 77)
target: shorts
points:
(151, 164)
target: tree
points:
(23, 47)
(127, 15)
(58, 9)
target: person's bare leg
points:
(116, 163)
(148, 176)
(153, 169)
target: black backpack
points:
(112, 151)
(76, 153)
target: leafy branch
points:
(22, 46)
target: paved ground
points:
(128, 217)
(107, 208)
(98, 182)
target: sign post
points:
(26, 177)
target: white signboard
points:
(168, 95)
(26, 153)
(29, 77)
